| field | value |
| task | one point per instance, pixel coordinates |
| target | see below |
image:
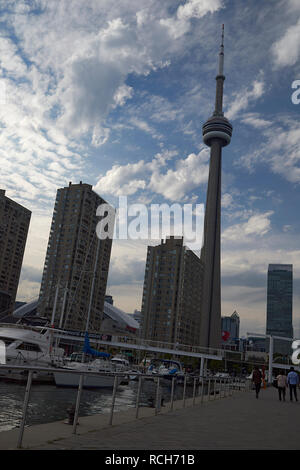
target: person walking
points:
(293, 381)
(256, 379)
(281, 385)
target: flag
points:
(225, 335)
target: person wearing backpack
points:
(293, 381)
(256, 379)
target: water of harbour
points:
(48, 403)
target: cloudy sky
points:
(115, 92)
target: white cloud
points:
(282, 153)
(122, 180)
(256, 225)
(286, 51)
(189, 173)
(227, 200)
(100, 135)
(65, 69)
(145, 127)
(179, 25)
(244, 98)
(254, 120)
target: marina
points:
(41, 403)
(235, 422)
(228, 420)
(49, 403)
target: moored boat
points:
(29, 346)
(103, 378)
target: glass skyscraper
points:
(280, 305)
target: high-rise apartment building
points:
(68, 279)
(280, 305)
(171, 296)
(14, 225)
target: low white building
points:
(114, 320)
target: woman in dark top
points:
(256, 379)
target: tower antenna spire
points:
(221, 54)
(220, 79)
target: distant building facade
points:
(109, 299)
(256, 343)
(117, 322)
(171, 296)
(14, 225)
(280, 305)
(231, 324)
(70, 260)
(137, 315)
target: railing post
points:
(271, 348)
(138, 397)
(184, 390)
(113, 400)
(202, 389)
(25, 406)
(215, 383)
(194, 391)
(172, 393)
(80, 385)
(157, 405)
(208, 390)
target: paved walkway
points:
(237, 422)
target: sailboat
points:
(104, 370)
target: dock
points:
(238, 421)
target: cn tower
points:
(217, 133)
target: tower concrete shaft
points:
(217, 133)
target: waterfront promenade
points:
(235, 422)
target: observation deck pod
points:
(217, 128)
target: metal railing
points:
(211, 387)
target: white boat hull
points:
(67, 379)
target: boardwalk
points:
(236, 422)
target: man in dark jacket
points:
(256, 379)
